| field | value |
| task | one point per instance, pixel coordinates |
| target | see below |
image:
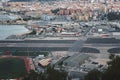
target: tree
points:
(94, 75)
(113, 70)
(111, 56)
(113, 16)
(53, 74)
(49, 74)
(55, 11)
(31, 76)
(111, 73)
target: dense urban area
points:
(65, 40)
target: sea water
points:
(7, 30)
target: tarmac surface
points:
(36, 45)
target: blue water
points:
(7, 30)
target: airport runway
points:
(36, 45)
(37, 41)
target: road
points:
(102, 45)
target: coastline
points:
(14, 23)
(18, 36)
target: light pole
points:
(28, 51)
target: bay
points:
(7, 30)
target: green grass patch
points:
(30, 53)
(11, 68)
(25, 53)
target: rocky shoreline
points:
(13, 22)
(20, 36)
